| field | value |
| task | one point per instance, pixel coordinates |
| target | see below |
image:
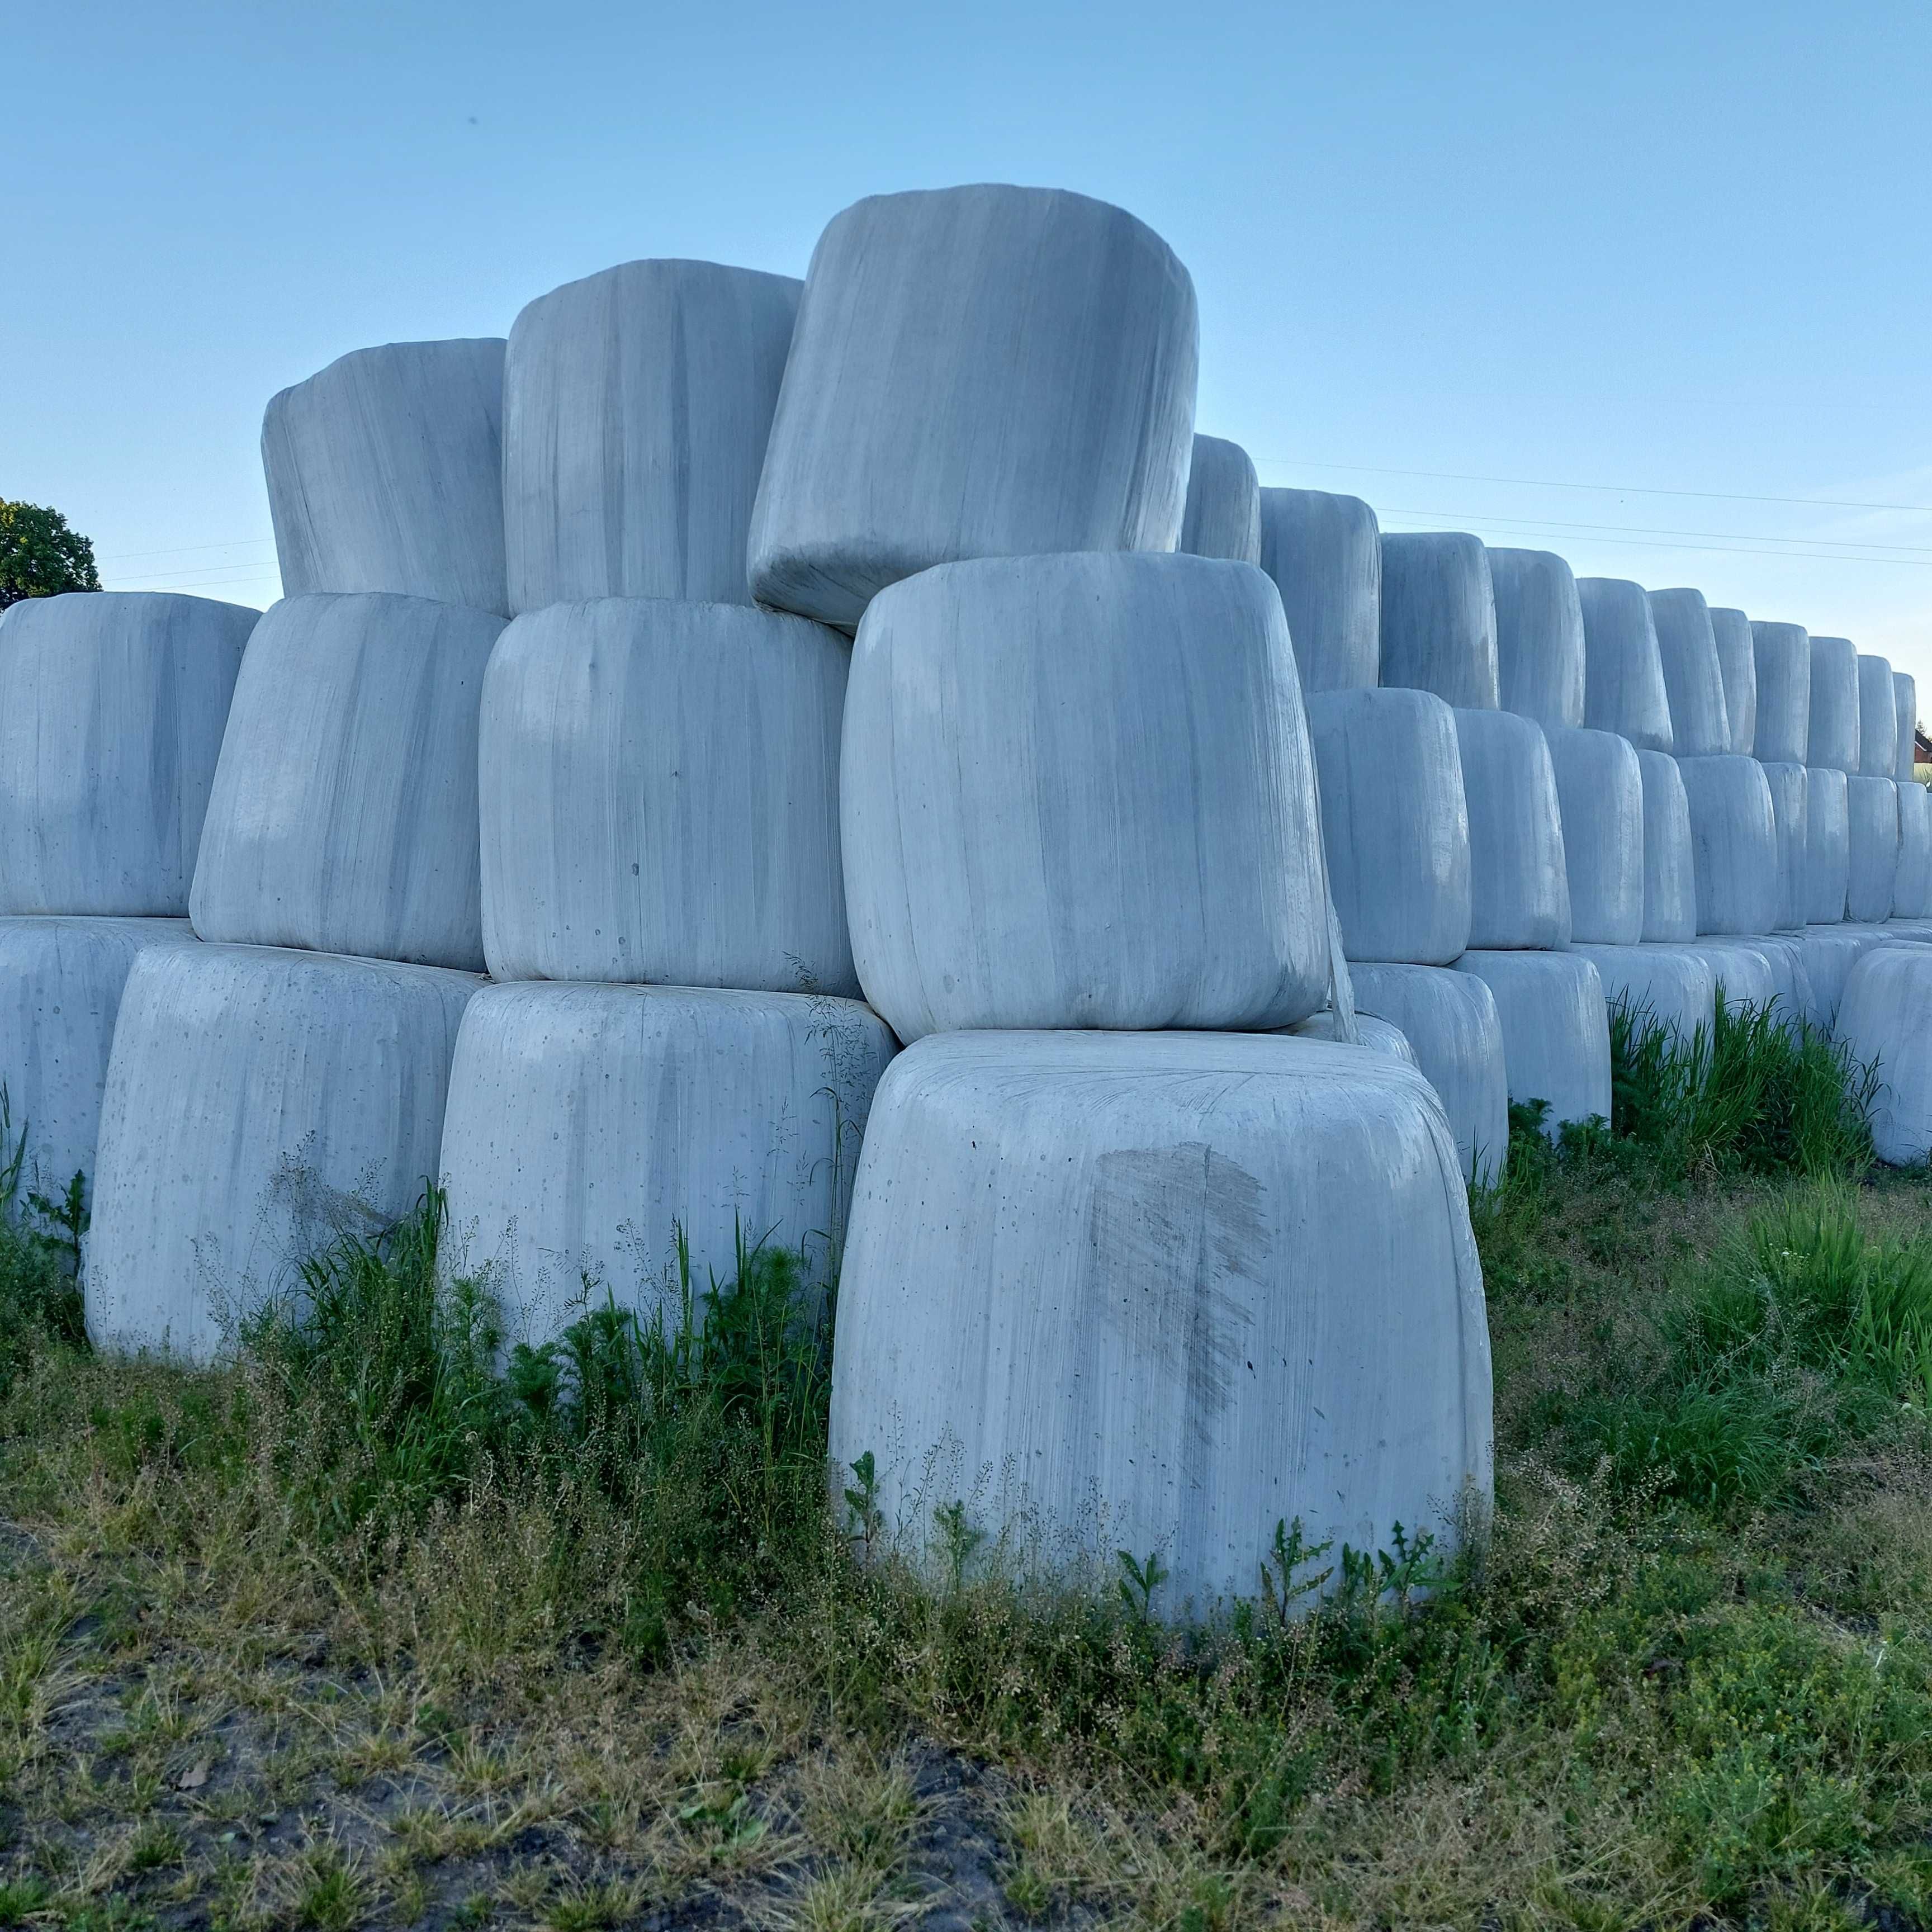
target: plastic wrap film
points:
(1045, 1226)
(982, 371)
(1693, 679)
(1539, 637)
(1438, 617)
(1624, 690)
(1600, 788)
(660, 798)
(1556, 1028)
(1449, 1019)
(1037, 750)
(1325, 553)
(637, 404)
(1737, 664)
(1734, 844)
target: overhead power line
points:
(1612, 489)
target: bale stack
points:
(285, 1082)
(1085, 877)
(673, 1063)
(1440, 634)
(112, 709)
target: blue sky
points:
(1646, 285)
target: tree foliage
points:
(41, 554)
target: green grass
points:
(375, 1625)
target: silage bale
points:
(1886, 1018)
(1040, 752)
(590, 1129)
(1394, 823)
(1783, 654)
(1912, 886)
(385, 473)
(1022, 1307)
(1693, 680)
(1438, 617)
(1599, 790)
(60, 982)
(1742, 971)
(1223, 514)
(260, 1104)
(1539, 637)
(1878, 718)
(1833, 741)
(1671, 985)
(1905, 703)
(1737, 663)
(1828, 845)
(113, 705)
(1624, 690)
(1449, 1019)
(660, 797)
(1372, 1035)
(637, 405)
(1519, 887)
(1325, 553)
(1670, 874)
(1734, 844)
(980, 371)
(1556, 1028)
(1790, 795)
(343, 815)
(1872, 816)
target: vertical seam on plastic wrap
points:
(1341, 988)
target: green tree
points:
(41, 554)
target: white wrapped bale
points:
(1539, 637)
(1669, 985)
(1669, 875)
(1783, 655)
(1693, 679)
(1872, 816)
(1325, 553)
(1829, 953)
(1038, 752)
(983, 371)
(1743, 973)
(1599, 790)
(1372, 1035)
(1878, 718)
(1905, 703)
(1912, 885)
(1519, 888)
(61, 981)
(588, 1126)
(1223, 514)
(1449, 1019)
(1163, 1294)
(385, 473)
(1556, 1030)
(1737, 664)
(637, 404)
(1733, 844)
(1790, 811)
(1885, 1016)
(1624, 690)
(1438, 618)
(661, 797)
(259, 1104)
(113, 705)
(1828, 845)
(1833, 740)
(343, 817)
(1394, 823)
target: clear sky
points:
(1647, 285)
